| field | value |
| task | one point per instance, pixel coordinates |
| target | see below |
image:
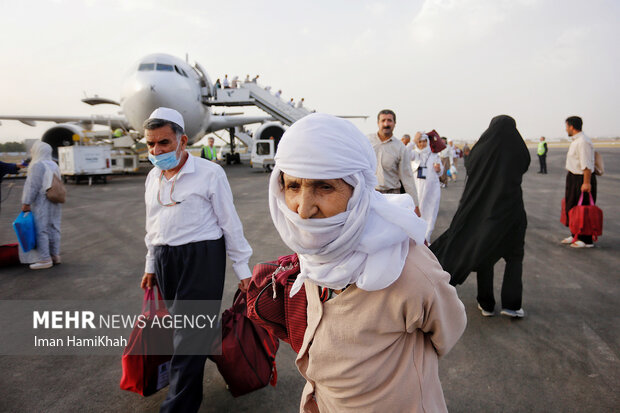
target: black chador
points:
(490, 221)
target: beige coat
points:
(377, 351)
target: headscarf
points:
(491, 204)
(418, 138)
(41, 152)
(368, 243)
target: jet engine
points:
(270, 130)
(62, 135)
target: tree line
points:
(12, 147)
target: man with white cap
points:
(191, 223)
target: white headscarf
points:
(42, 152)
(369, 242)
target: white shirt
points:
(580, 154)
(225, 82)
(206, 212)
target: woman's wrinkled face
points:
(422, 143)
(316, 198)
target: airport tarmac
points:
(563, 357)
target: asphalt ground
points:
(562, 357)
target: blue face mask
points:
(166, 160)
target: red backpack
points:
(270, 304)
(248, 359)
(586, 219)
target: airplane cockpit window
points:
(164, 68)
(180, 71)
(146, 66)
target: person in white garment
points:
(47, 214)
(454, 160)
(191, 225)
(446, 160)
(427, 169)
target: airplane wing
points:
(113, 121)
(219, 122)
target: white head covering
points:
(41, 152)
(168, 114)
(368, 243)
(427, 148)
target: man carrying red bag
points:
(191, 224)
(579, 179)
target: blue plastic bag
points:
(26, 231)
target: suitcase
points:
(9, 255)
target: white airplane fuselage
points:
(160, 80)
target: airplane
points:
(155, 80)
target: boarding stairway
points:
(250, 93)
(280, 110)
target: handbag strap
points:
(581, 199)
(149, 298)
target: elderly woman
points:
(46, 213)
(427, 169)
(380, 309)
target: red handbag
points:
(145, 362)
(248, 359)
(586, 219)
(270, 304)
(435, 142)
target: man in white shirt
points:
(393, 159)
(191, 224)
(580, 177)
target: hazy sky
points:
(445, 64)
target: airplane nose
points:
(141, 97)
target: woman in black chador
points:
(490, 221)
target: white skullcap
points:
(168, 114)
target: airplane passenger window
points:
(146, 66)
(164, 68)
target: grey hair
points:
(155, 123)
